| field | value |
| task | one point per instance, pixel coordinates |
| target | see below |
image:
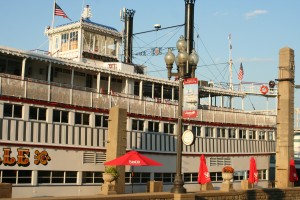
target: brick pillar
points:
(285, 117)
(117, 142)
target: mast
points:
(230, 63)
(52, 28)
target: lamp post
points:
(183, 60)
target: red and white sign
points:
(190, 98)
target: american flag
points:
(59, 12)
(241, 72)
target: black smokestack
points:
(128, 39)
(189, 29)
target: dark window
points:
(242, 134)
(37, 113)
(196, 130)
(24, 177)
(92, 177)
(9, 176)
(12, 110)
(57, 177)
(60, 116)
(71, 177)
(153, 126)
(137, 125)
(168, 128)
(82, 118)
(101, 121)
(44, 176)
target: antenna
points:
(122, 14)
(86, 14)
(230, 62)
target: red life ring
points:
(264, 89)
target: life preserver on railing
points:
(264, 89)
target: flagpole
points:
(52, 27)
(53, 14)
(230, 62)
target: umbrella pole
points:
(132, 179)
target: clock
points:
(188, 137)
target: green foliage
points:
(113, 171)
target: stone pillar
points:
(285, 117)
(5, 190)
(116, 145)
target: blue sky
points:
(259, 28)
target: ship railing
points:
(78, 96)
(243, 87)
(85, 138)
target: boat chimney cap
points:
(157, 26)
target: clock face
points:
(188, 137)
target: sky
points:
(258, 28)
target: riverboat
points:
(54, 110)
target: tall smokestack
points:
(128, 39)
(189, 29)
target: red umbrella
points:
(253, 175)
(293, 172)
(203, 175)
(133, 158)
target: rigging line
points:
(163, 46)
(159, 38)
(43, 44)
(82, 8)
(197, 66)
(158, 29)
(150, 63)
(208, 53)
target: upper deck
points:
(27, 75)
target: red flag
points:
(59, 12)
(203, 175)
(241, 72)
(253, 175)
(293, 172)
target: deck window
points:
(101, 121)
(137, 125)
(216, 176)
(82, 118)
(37, 113)
(16, 176)
(252, 135)
(60, 116)
(271, 136)
(196, 130)
(242, 134)
(12, 110)
(262, 135)
(168, 128)
(153, 126)
(209, 132)
(231, 133)
(262, 174)
(137, 177)
(92, 177)
(73, 40)
(240, 175)
(57, 177)
(190, 177)
(164, 177)
(220, 132)
(64, 42)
